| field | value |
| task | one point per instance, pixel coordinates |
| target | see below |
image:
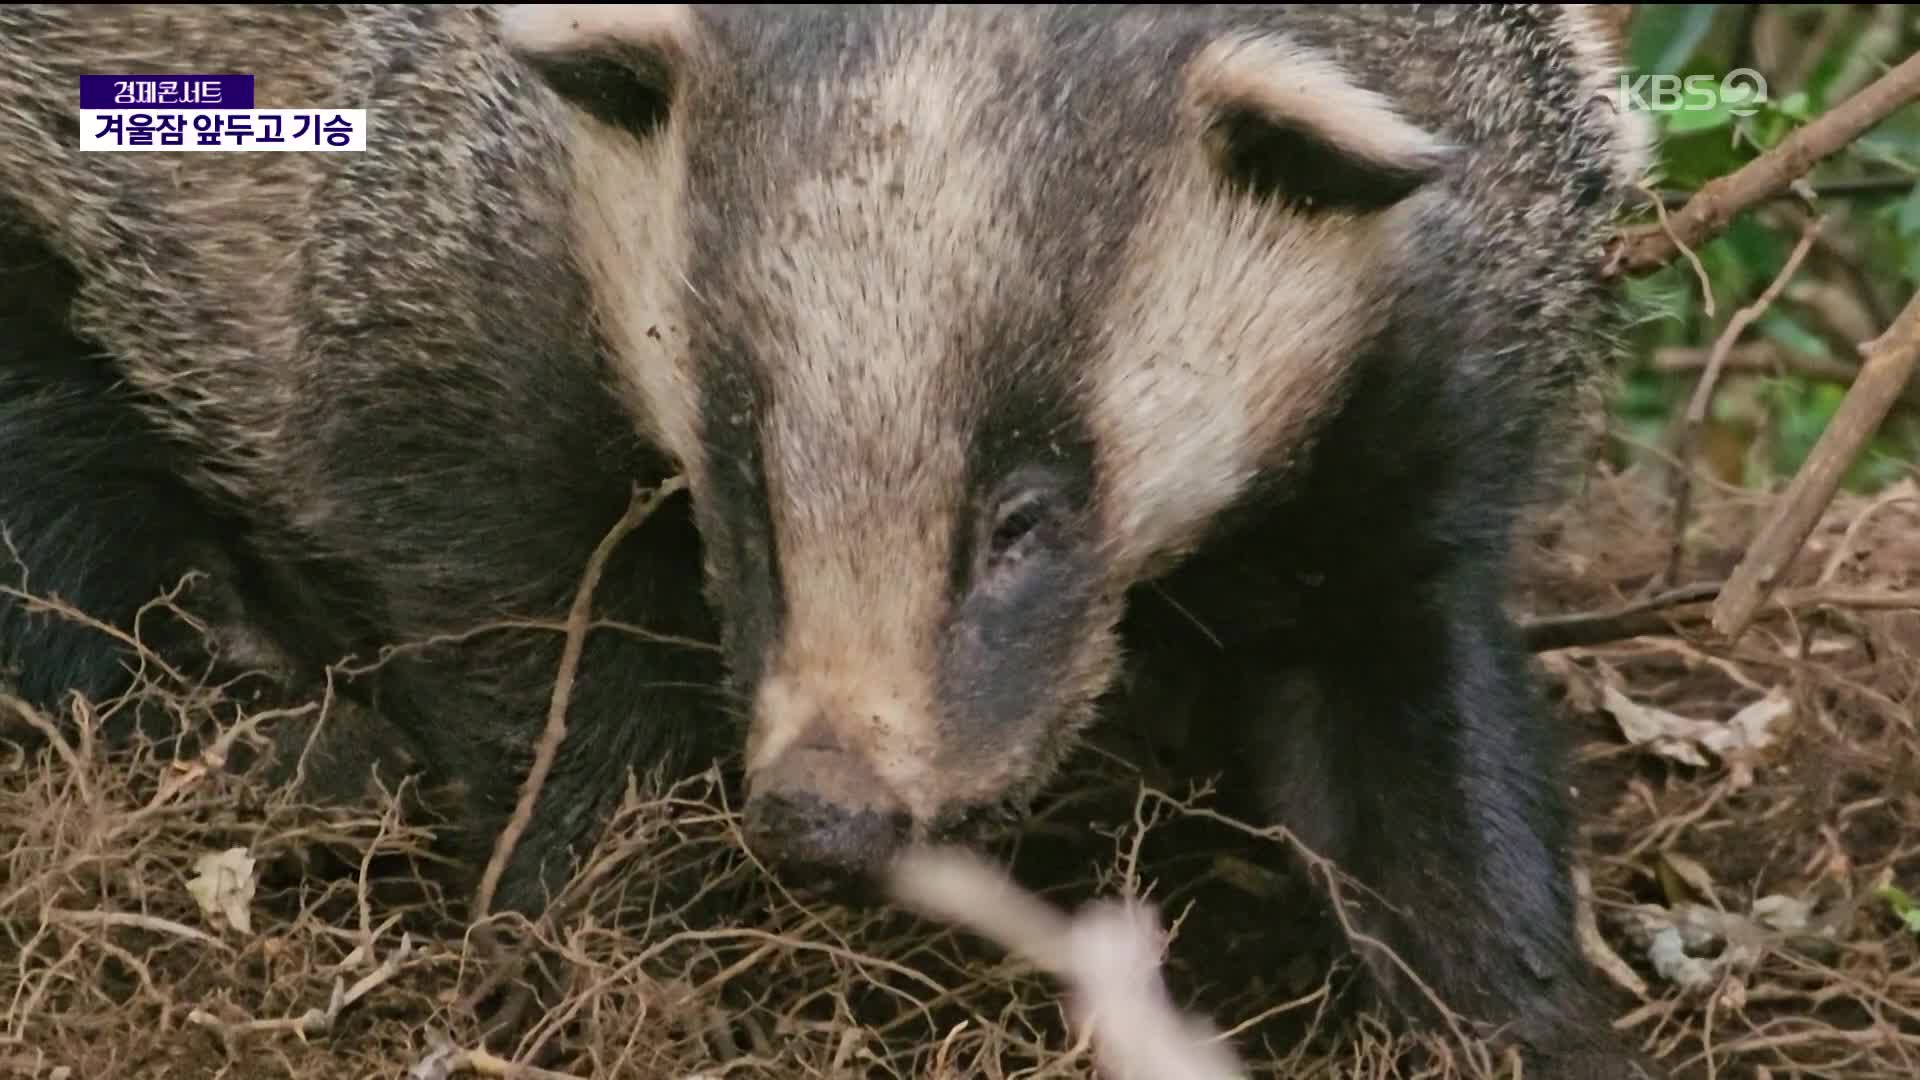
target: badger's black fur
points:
(1004, 350)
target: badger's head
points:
(962, 322)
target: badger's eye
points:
(1016, 522)
(1013, 527)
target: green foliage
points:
(1812, 56)
(1903, 907)
(1665, 36)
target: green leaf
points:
(1894, 141)
(1796, 105)
(1805, 413)
(1740, 262)
(1767, 129)
(1880, 466)
(1785, 330)
(1902, 905)
(1829, 67)
(1666, 35)
(1642, 397)
(1908, 224)
(1690, 162)
(1688, 121)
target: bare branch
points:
(1696, 415)
(578, 619)
(1767, 357)
(1660, 614)
(1890, 362)
(1648, 248)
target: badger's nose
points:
(822, 815)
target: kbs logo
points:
(1739, 92)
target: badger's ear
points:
(621, 63)
(1285, 123)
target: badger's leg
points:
(93, 508)
(1410, 750)
(638, 703)
(101, 526)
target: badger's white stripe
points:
(1589, 32)
(630, 236)
(908, 250)
(1231, 332)
(555, 29)
(1285, 82)
(1234, 324)
(628, 224)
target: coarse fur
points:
(1019, 359)
(369, 393)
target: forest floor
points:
(1750, 814)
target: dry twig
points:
(1890, 362)
(315, 1021)
(1696, 415)
(1592, 628)
(638, 510)
(1660, 614)
(1767, 358)
(446, 1060)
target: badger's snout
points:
(822, 815)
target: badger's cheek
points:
(1017, 683)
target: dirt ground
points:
(1750, 813)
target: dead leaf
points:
(1580, 688)
(1754, 728)
(1680, 941)
(223, 886)
(1667, 734)
(1691, 873)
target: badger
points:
(1012, 357)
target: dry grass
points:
(673, 955)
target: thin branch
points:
(578, 619)
(1853, 187)
(1842, 253)
(1890, 362)
(1665, 225)
(1648, 248)
(446, 1060)
(1663, 613)
(1696, 416)
(1770, 358)
(138, 922)
(1745, 317)
(314, 1022)
(1551, 632)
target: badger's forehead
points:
(926, 245)
(900, 221)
